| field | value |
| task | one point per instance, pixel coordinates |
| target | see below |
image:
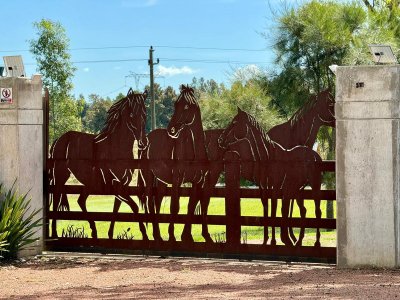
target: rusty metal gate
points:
(184, 193)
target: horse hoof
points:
(317, 244)
(208, 238)
(273, 242)
(187, 238)
(157, 238)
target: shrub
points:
(3, 241)
(16, 223)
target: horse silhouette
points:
(302, 128)
(84, 156)
(283, 170)
(182, 141)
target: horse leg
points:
(174, 210)
(316, 186)
(204, 203)
(60, 200)
(56, 202)
(82, 204)
(284, 228)
(117, 205)
(303, 211)
(264, 200)
(135, 209)
(187, 230)
(318, 215)
(154, 208)
(291, 231)
(274, 203)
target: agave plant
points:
(17, 224)
(3, 242)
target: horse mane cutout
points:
(187, 93)
(115, 111)
(253, 122)
(310, 104)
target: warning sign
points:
(6, 95)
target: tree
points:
(96, 115)
(380, 27)
(218, 109)
(164, 100)
(308, 40)
(165, 106)
(82, 107)
(50, 49)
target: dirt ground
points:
(122, 277)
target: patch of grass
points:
(125, 235)
(74, 232)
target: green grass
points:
(249, 207)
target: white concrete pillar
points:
(367, 165)
(21, 143)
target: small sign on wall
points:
(6, 96)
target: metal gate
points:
(237, 192)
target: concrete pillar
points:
(21, 143)
(367, 165)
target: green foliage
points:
(3, 240)
(96, 113)
(50, 50)
(17, 222)
(381, 27)
(308, 40)
(218, 109)
(164, 101)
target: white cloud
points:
(173, 71)
(138, 3)
(86, 69)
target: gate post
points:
(232, 203)
(21, 143)
(367, 165)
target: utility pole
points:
(153, 103)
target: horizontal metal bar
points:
(185, 219)
(324, 166)
(171, 248)
(215, 192)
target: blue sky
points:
(134, 25)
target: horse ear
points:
(239, 110)
(182, 87)
(145, 94)
(130, 92)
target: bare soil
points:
(122, 277)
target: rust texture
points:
(184, 160)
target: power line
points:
(101, 61)
(143, 46)
(212, 61)
(114, 91)
(205, 61)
